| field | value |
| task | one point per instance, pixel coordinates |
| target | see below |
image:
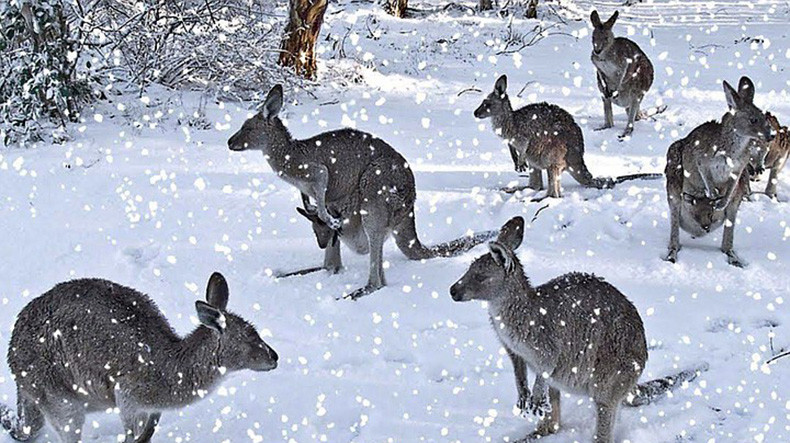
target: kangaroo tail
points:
(578, 170)
(23, 426)
(649, 176)
(408, 242)
(646, 393)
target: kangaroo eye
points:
(481, 278)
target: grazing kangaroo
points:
(576, 332)
(624, 72)
(543, 136)
(91, 345)
(355, 175)
(776, 158)
(706, 171)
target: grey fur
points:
(576, 332)
(706, 171)
(89, 345)
(542, 136)
(623, 70)
(355, 175)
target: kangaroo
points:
(706, 170)
(776, 158)
(577, 332)
(353, 174)
(624, 72)
(543, 136)
(91, 345)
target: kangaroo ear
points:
(595, 19)
(273, 103)
(733, 99)
(512, 233)
(502, 255)
(210, 316)
(217, 291)
(500, 87)
(610, 23)
(746, 89)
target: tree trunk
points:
(397, 7)
(486, 5)
(532, 9)
(301, 33)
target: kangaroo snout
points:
(266, 361)
(455, 292)
(272, 354)
(234, 145)
(273, 358)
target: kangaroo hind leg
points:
(374, 223)
(604, 423)
(67, 417)
(147, 430)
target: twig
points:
(458, 6)
(525, 87)
(777, 357)
(557, 14)
(472, 89)
(535, 217)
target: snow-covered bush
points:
(40, 89)
(54, 53)
(224, 46)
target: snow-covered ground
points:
(159, 206)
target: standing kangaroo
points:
(92, 345)
(624, 72)
(576, 332)
(353, 174)
(776, 158)
(706, 170)
(543, 136)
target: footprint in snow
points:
(142, 256)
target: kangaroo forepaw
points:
(534, 406)
(334, 223)
(523, 403)
(721, 203)
(539, 407)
